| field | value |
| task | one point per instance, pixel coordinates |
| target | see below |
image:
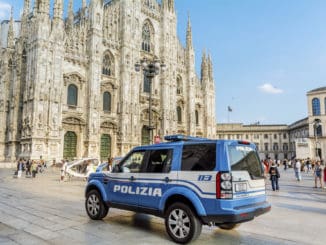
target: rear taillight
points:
(224, 185)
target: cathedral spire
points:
(70, 14)
(189, 34)
(210, 67)
(58, 9)
(27, 5)
(204, 67)
(11, 35)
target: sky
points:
(267, 54)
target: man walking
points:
(297, 169)
(274, 176)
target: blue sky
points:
(267, 54)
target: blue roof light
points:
(181, 137)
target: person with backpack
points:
(274, 176)
(318, 174)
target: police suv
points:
(188, 181)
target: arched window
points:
(275, 147)
(146, 38)
(107, 101)
(179, 114)
(319, 132)
(315, 107)
(72, 95)
(285, 147)
(179, 85)
(197, 117)
(147, 85)
(108, 65)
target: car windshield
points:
(244, 157)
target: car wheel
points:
(228, 226)
(182, 223)
(95, 207)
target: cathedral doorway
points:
(70, 145)
(145, 136)
(105, 147)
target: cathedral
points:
(69, 88)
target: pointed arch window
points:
(179, 114)
(197, 117)
(108, 65)
(315, 107)
(146, 38)
(107, 101)
(72, 95)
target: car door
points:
(123, 185)
(157, 178)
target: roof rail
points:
(181, 137)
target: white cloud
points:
(5, 9)
(270, 89)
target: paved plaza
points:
(46, 211)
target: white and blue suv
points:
(188, 181)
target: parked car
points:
(188, 181)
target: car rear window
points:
(199, 157)
(245, 157)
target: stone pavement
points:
(46, 211)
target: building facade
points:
(271, 140)
(69, 88)
(302, 139)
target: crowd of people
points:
(30, 167)
(316, 167)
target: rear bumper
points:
(241, 214)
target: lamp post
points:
(317, 124)
(151, 68)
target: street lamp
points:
(151, 68)
(317, 124)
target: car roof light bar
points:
(180, 137)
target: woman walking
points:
(274, 176)
(318, 174)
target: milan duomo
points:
(69, 88)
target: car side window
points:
(159, 161)
(199, 157)
(132, 164)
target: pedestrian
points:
(34, 168)
(297, 169)
(109, 166)
(318, 174)
(274, 176)
(28, 168)
(63, 170)
(20, 168)
(285, 163)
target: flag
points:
(229, 108)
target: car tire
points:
(182, 223)
(95, 207)
(228, 226)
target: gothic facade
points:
(69, 88)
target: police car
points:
(188, 181)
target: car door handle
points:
(167, 179)
(132, 178)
